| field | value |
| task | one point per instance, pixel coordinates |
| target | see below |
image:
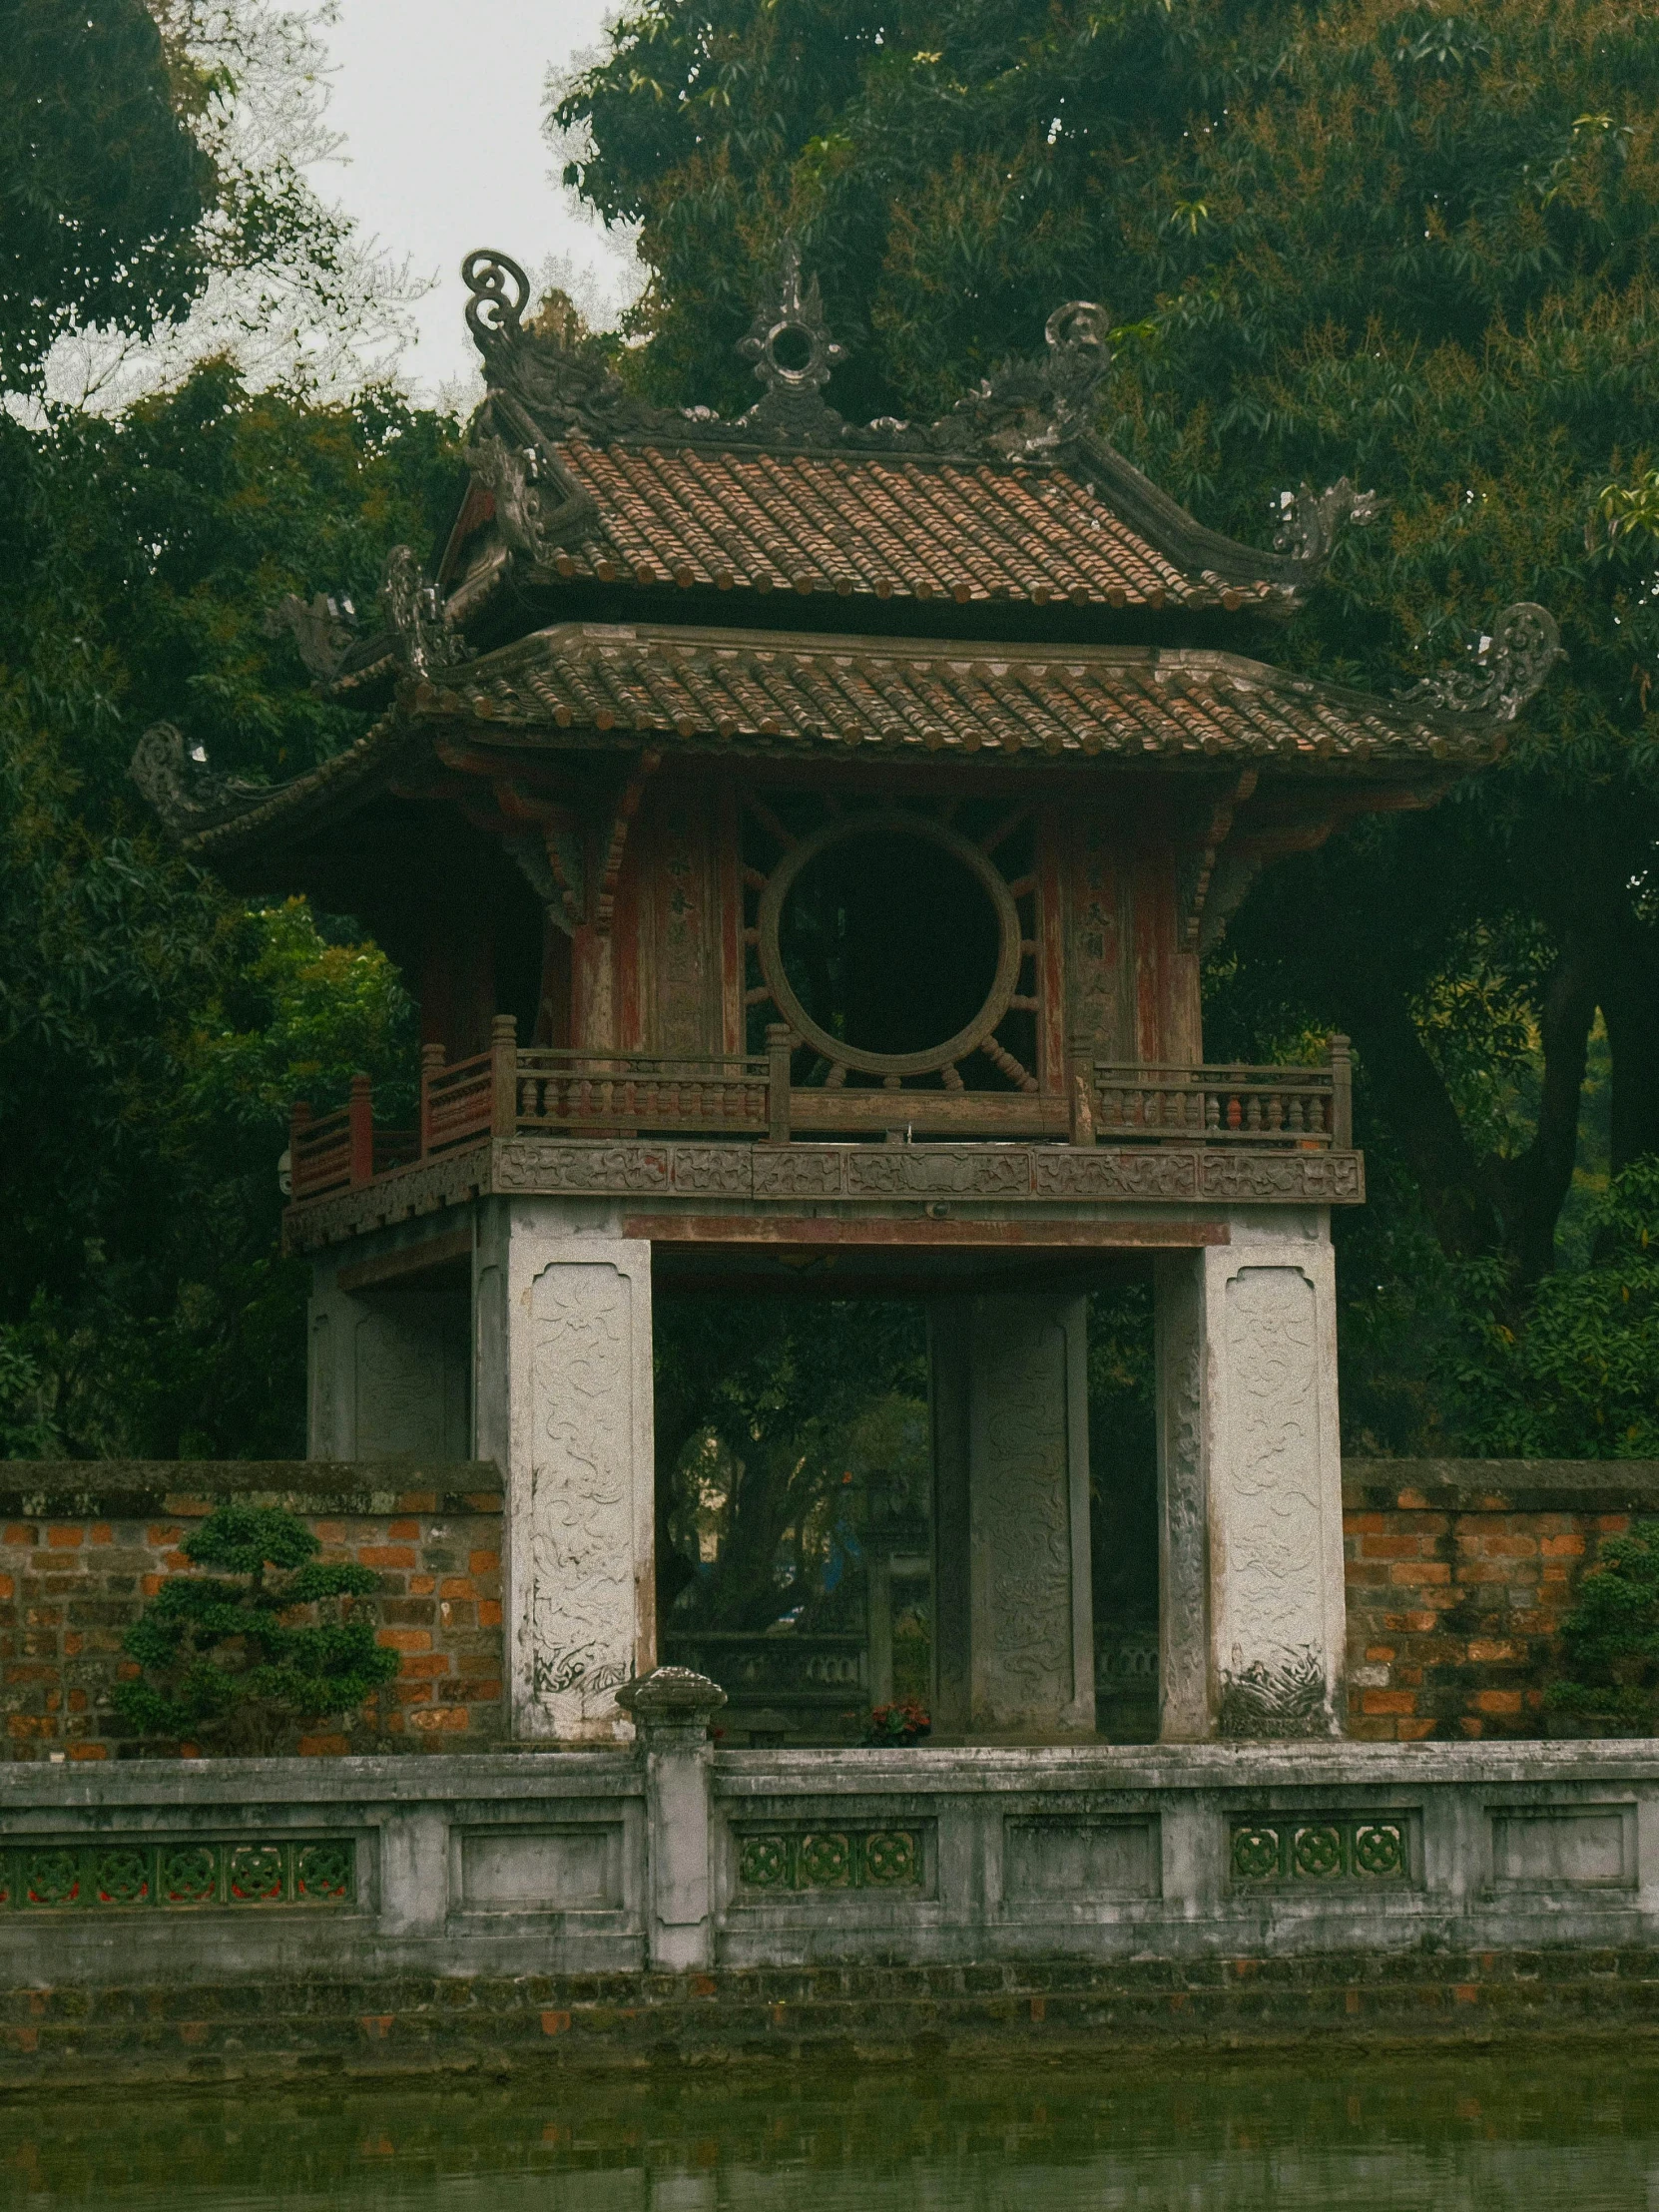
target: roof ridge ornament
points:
(1310, 520)
(415, 617)
(1508, 668)
(184, 791)
(793, 354)
(498, 294)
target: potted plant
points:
(898, 1725)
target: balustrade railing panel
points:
(1216, 1105)
(508, 1091)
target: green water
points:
(1537, 2132)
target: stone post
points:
(562, 1334)
(1252, 1616)
(671, 1710)
(1014, 1617)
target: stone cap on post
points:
(671, 1706)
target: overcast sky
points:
(439, 103)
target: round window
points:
(889, 943)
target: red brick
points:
(1388, 1701)
(405, 1639)
(60, 1537)
(20, 1532)
(1420, 1571)
(420, 1666)
(88, 1751)
(489, 1613)
(1562, 1547)
(406, 1532)
(457, 1585)
(483, 1562)
(388, 1555)
(1364, 1524)
(1497, 1701)
(418, 1501)
(423, 1585)
(323, 1747)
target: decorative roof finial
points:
(499, 292)
(1509, 666)
(790, 343)
(1079, 354)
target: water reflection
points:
(1534, 2131)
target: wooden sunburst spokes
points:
(987, 846)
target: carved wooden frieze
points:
(1308, 1177)
(1088, 1174)
(900, 1175)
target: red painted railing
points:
(508, 1092)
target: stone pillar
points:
(562, 1333)
(671, 1710)
(1252, 1617)
(1014, 1617)
(387, 1372)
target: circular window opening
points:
(791, 348)
(895, 944)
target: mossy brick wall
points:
(84, 1545)
(1459, 1575)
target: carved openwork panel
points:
(897, 943)
(190, 1872)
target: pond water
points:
(1535, 2130)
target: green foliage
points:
(153, 1028)
(770, 1414)
(1612, 1633)
(103, 185)
(225, 1659)
(1340, 238)
(1578, 1370)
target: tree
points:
(229, 1662)
(1350, 238)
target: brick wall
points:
(1459, 1574)
(83, 1546)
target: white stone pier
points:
(562, 1327)
(1251, 1598)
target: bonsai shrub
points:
(1612, 1636)
(225, 1659)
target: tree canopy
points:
(1408, 246)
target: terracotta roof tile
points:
(717, 688)
(870, 525)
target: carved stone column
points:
(1252, 1617)
(562, 1331)
(387, 1372)
(671, 1710)
(1014, 1626)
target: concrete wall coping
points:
(252, 1786)
(125, 1489)
(128, 1489)
(1503, 1485)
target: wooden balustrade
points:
(510, 1091)
(1227, 1105)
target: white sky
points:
(441, 106)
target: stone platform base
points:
(1031, 2012)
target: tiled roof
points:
(711, 689)
(872, 525)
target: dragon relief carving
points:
(1288, 1698)
(176, 780)
(1309, 520)
(414, 615)
(581, 1504)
